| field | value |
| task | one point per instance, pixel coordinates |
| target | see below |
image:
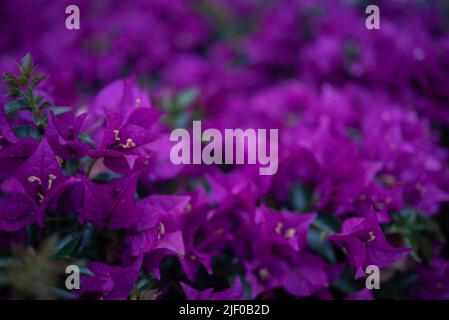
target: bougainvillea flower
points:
(14, 155)
(127, 131)
(299, 273)
(265, 273)
(17, 212)
(208, 232)
(343, 181)
(433, 283)
(160, 167)
(235, 292)
(333, 272)
(109, 282)
(152, 260)
(426, 195)
(284, 228)
(41, 179)
(6, 132)
(358, 163)
(383, 200)
(306, 276)
(196, 210)
(111, 203)
(120, 96)
(158, 224)
(41, 172)
(196, 232)
(366, 245)
(62, 135)
(231, 185)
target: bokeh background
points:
(363, 120)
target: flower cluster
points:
(362, 178)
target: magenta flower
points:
(127, 132)
(12, 156)
(333, 272)
(158, 224)
(62, 135)
(41, 180)
(109, 282)
(299, 273)
(97, 177)
(366, 245)
(383, 200)
(433, 283)
(17, 212)
(208, 232)
(6, 132)
(111, 203)
(284, 228)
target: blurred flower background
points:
(86, 177)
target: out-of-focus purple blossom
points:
(433, 283)
(109, 282)
(366, 244)
(361, 115)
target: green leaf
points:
(26, 62)
(49, 246)
(186, 98)
(6, 262)
(425, 248)
(411, 242)
(56, 110)
(15, 105)
(85, 271)
(38, 78)
(417, 230)
(26, 68)
(181, 120)
(397, 288)
(38, 119)
(106, 177)
(301, 197)
(27, 132)
(318, 243)
(84, 137)
(13, 83)
(38, 99)
(346, 283)
(66, 245)
(326, 222)
(85, 237)
(323, 226)
(145, 282)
